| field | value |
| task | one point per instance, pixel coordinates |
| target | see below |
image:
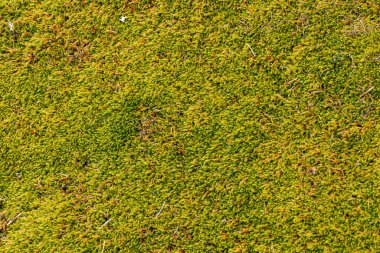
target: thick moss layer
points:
(192, 126)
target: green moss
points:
(255, 122)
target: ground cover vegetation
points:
(189, 126)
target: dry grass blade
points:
(105, 224)
(159, 212)
(250, 48)
(14, 219)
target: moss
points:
(255, 122)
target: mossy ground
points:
(254, 124)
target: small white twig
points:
(14, 219)
(105, 223)
(10, 26)
(251, 50)
(159, 212)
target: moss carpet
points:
(189, 126)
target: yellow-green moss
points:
(255, 122)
